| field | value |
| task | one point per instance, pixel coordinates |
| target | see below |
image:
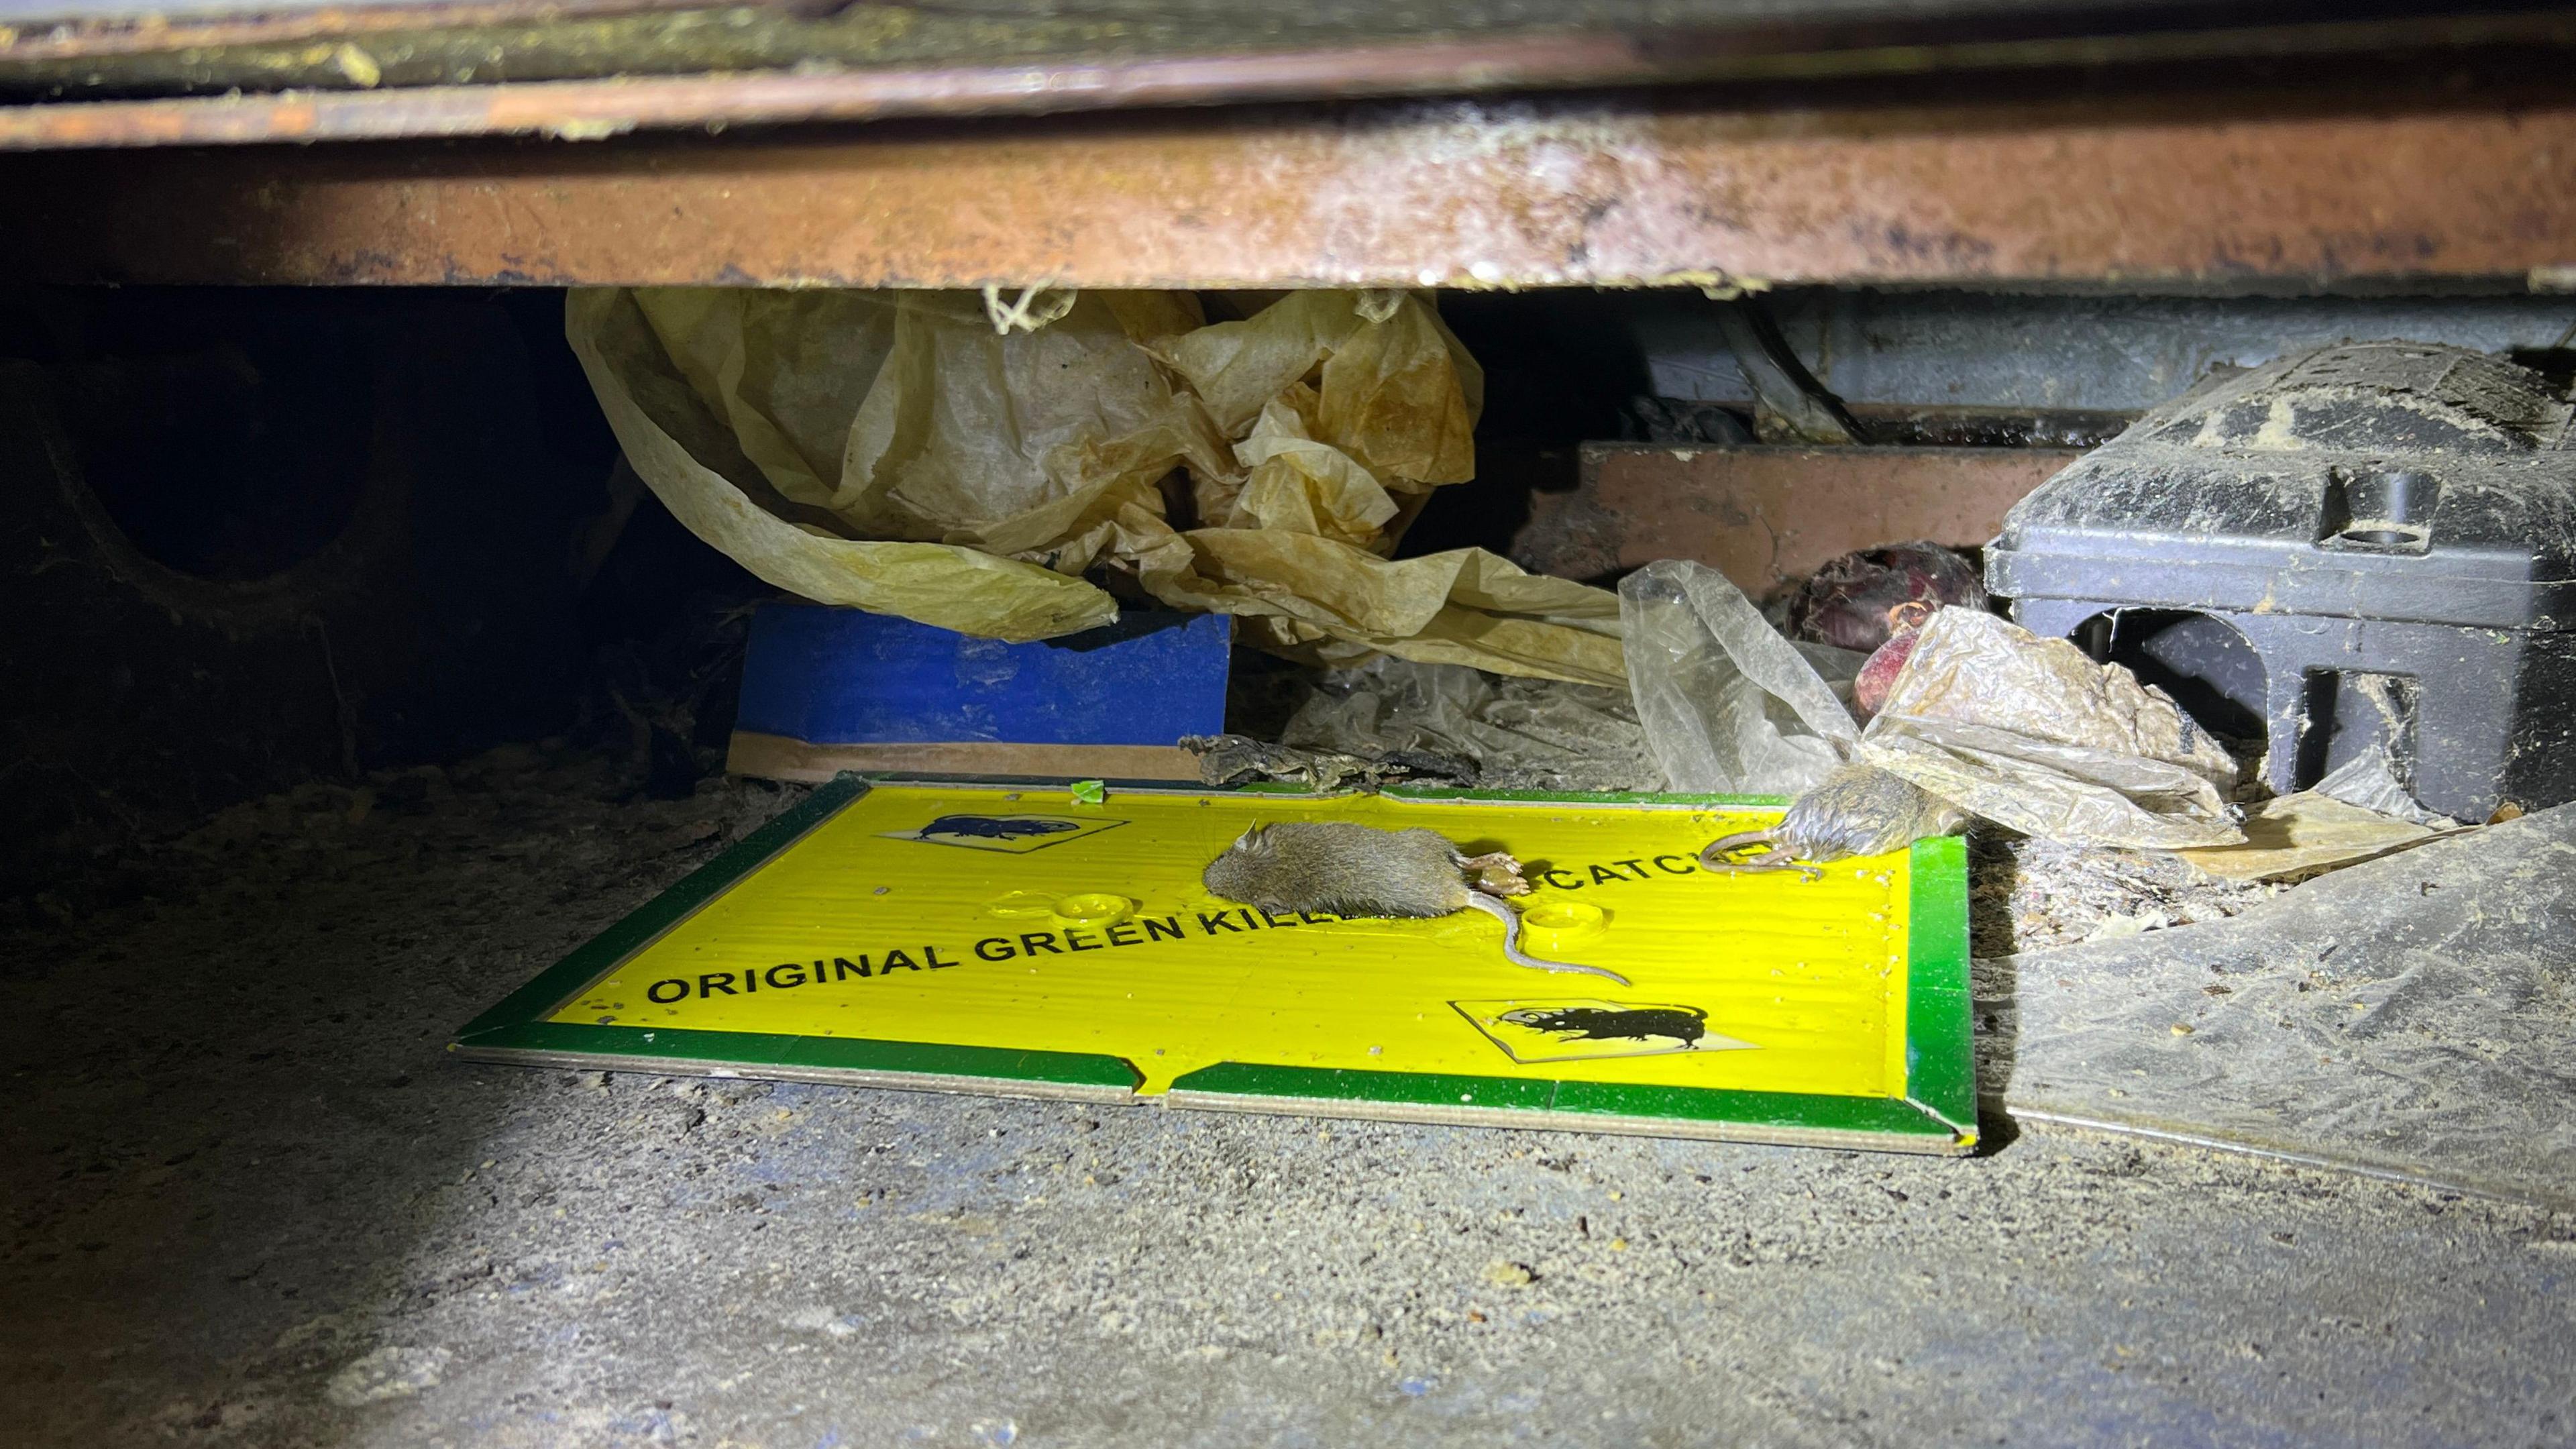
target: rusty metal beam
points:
(1766, 517)
(1564, 191)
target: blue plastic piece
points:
(846, 677)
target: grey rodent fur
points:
(1339, 868)
(1857, 810)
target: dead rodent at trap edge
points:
(1343, 869)
(1857, 810)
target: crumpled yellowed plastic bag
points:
(756, 470)
(1395, 389)
(1297, 484)
(1332, 604)
(896, 451)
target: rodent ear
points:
(1250, 838)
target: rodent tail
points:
(1720, 855)
(1511, 919)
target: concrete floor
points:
(252, 1202)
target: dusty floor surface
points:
(250, 1201)
(2414, 1015)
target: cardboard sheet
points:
(2297, 834)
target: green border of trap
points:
(1937, 1113)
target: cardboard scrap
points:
(2302, 833)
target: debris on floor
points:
(1239, 759)
(2028, 733)
(2414, 1016)
(2029, 895)
(1987, 717)
(1520, 733)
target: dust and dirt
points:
(2031, 895)
(252, 1201)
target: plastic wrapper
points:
(1728, 705)
(2031, 734)
(900, 452)
(1858, 600)
(1533, 734)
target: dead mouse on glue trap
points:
(1858, 810)
(1338, 868)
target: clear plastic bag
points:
(1729, 705)
(1984, 715)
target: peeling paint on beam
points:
(1565, 192)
